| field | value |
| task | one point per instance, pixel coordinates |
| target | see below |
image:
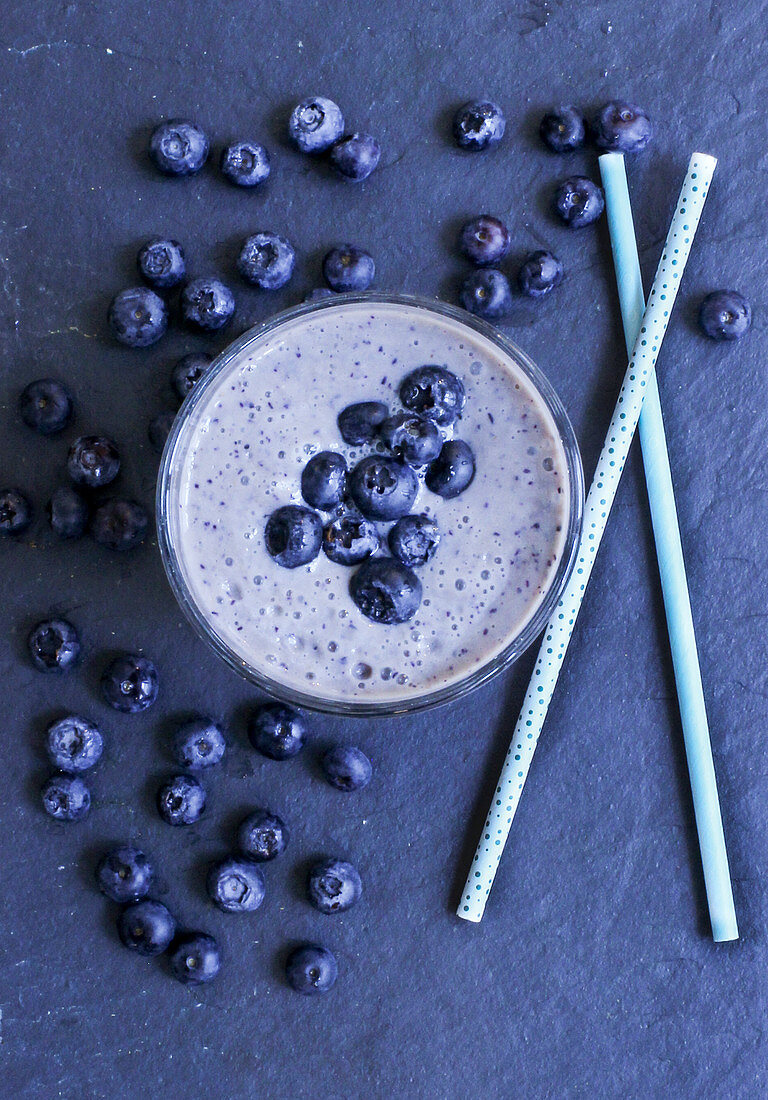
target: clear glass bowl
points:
(430, 697)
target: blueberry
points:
(434, 392)
(621, 128)
(414, 540)
(277, 731)
(161, 263)
(484, 240)
(137, 317)
(146, 927)
(360, 422)
(315, 124)
(159, 429)
(311, 969)
(333, 886)
(355, 156)
(198, 743)
(181, 800)
(178, 147)
(68, 513)
(324, 480)
(15, 512)
(266, 260)
(188, 371)
(318, 294)
(383, 488)
(346, 768)
(130, 683)
(245, 163)
(479, 124)
(386, 591)
(293, 535)
(725, 315)
(119, 524)
(93, 460)
(262, 836)
(235, 885)
(486, 293)
(73, 744)
(46, 406)
(207, 303)
(578, 201)
(541, 272)
(66, 797)
(348, 268)
(125, 874)
(563, 129)
(54, 645)
(194, 958)
(412, 438)
(349, 539)
(453, 469)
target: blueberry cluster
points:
(316, 126)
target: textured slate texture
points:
(593, 974)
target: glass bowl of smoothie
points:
(236, 453)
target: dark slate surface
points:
(593, 973)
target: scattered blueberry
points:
(541, 272)
(434, 392)
(15, 512)
(318, 294)
(130, 683)
(68, 513)
(178, 147)
(563, 129)
(263, 836)
(333, 886)
(386, 591)
(161, 263)
(725, 315)
(348, 268)
(383, 487)
(311, 969)
(188, 371)
(137, 317)
(93, 460)
(198, 743)
(266, 260)
(73, 744)
(355, 156)
(245, 163)
(578, 201)
(360, 422)
(125, 874)
(277, 731)
(194, 958)
(484, 240)
(487, 294)
(66, 797)
(414, 540)
(349, 539)
(621, 128)
(479, 124)
(412, 438)
(293, 535)
(46, 406)
(324, 480)
(54, 645)
(119, 524)
(346, 768)
(181, 800)
(315, 124)
(159, 429)
(235, 885)
(453, 469)
(207, 303)
(146, 927)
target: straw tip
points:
(470, 913)
(725, 931)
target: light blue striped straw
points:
(669, 551)
(602, 493)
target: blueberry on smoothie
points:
(262, 836)
(478, 124)
(46, 406)
(66, 797)
(382, 487)
(178, 147)
(484, 240)
(434, 392)
(125, 874)
(73, 744)
(540, 273)
(137, 317)
(350, 538)
(207, 303)
(235, 885)
(119, 524)
(130, 683)
(725, 315)
(68, 513)
(277, 731)
(360, 422)
(54, 645)
(621, 128)
(194, 958)
(245, 163)
(348, 268)
(198, 743)
(324, 480)
(293, 535)
(411, 437)
(161, 263)
(386, 591)
(578, 202)
(346, 768)
(266, 260)
(311, 969)
(93, 460)
(315, 124)
(146, 927)
(189, 370)
(355, 156)
(159, 429)
(563, 129)
(181, 800)
(414, 539)
(333, 886)
(15, 512)
(487, 294)
(453, 469)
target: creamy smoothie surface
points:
(240, 456)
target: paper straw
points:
(669, 552)
(601, 495)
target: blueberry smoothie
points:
(483, 552)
